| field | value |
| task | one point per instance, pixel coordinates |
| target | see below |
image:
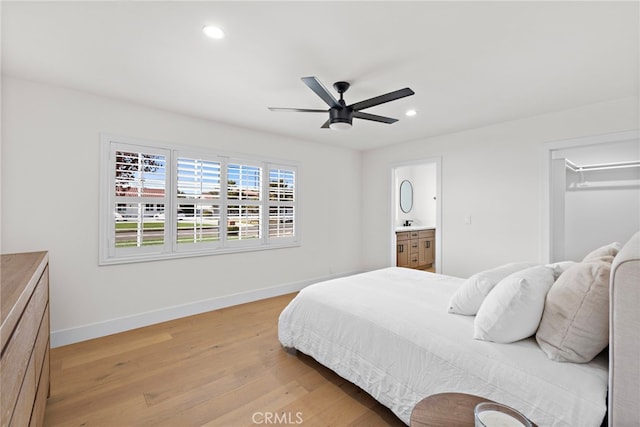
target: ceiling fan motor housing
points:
(340, 115)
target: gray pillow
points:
(575, 321)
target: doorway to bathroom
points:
(416, 206)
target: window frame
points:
(109, 254)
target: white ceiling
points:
(470, 63)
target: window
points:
(162, 201)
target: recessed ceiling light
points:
(411, 113)
(213, 32)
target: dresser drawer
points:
(42, 342)
(27, 394)
(42, 393)
(16, 358)
(41, 296)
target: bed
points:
(389, 332)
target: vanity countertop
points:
(415, 228)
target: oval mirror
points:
(406, 196)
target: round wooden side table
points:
(446, 410)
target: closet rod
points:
(602, 166)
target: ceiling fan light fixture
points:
(340, 118)
(213, 32)
(341, 126)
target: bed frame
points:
(624, 344)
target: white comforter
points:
(388, 331)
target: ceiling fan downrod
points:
(341, 88)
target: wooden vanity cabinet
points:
(403, 243)
(415, 249)
(24, 338)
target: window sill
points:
(105, 261)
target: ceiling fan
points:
(341, 114)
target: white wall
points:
(494, 175)
(50, 193)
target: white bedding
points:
(388, 331)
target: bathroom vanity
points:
(415, 248)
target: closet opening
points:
(593, 193)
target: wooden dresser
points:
(24, 338)
(416, 249)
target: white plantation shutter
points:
(244, 198)
(138, 198)
(282, 203)
(161, 201)
(198, 206)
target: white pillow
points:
(560, 267)
(513, 309)
(468, 298)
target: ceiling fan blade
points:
(297, 110)
(373, 117)
(391, 96)
(326, 124)
(315, 85)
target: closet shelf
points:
(601, 166)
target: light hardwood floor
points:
(222, 368)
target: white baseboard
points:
(121, 324)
